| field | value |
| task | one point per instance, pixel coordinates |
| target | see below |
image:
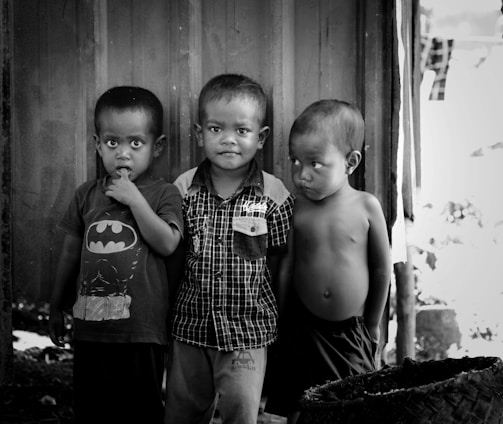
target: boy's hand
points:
(57, 328)
(123, 190)
(375, 333)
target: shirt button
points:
(219, 240)
(218, 275)
(252, 229)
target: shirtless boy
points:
(339, 262)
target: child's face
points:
(230, 133)
(319, 168)
(126, 142)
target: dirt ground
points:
(41, 392)
(42, 388)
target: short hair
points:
(229, 87)
(123, 98)
(339, 118)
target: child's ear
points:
(262, 136)
(199, 134)
(97, 143)
(353, 159)
(159, 145)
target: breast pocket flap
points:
(250, 226)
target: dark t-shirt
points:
(123, 293)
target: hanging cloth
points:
(435, 55)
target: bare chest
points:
(337, 225)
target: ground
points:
(41, 392)
(42, 388)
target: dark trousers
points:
(311, 351)
(118, 383)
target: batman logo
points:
(109, 236)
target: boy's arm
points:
(379, 263)
(281, 240)
(284, 275)
(175, 268)
(161, 236)
(66, 278)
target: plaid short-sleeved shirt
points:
(226, 300)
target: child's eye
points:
(136, 144)
(214, 129)
(111, 143)
(243, 131)
(294, 161)
(316, 165)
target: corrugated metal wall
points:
(66, 52)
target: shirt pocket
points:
(249, 237)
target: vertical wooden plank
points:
(185, 82)
(119, 39)
(338, 49)
(405, 297)
(85, 153)
(6, 298)
(415, 15)
(307, 53)
(50, 137)
(100, 15)
(234, 38)
(326, 51)
(246, 34)
(281, 60)
(377, 106)
(26, 174)
(101, 72)
(214, 42)
(406, 316)
(151, 64)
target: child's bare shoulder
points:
(370, 203)
(365, 198)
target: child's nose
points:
(305, 175)
(123, 152)
(228, 137)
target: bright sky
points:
(462, 18)
(447, 7)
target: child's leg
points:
(190, 393)
(118, 382)
(146, 401)
(89, 386)
(239, 377)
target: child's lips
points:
(307, 189)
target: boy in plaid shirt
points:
(237, 219)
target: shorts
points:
(313, 351)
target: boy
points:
(118, 231)
(237, 218)
(340, 264)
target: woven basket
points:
(467, 391)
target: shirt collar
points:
(253, 179)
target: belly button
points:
(326, 293)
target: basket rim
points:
(451, 382)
